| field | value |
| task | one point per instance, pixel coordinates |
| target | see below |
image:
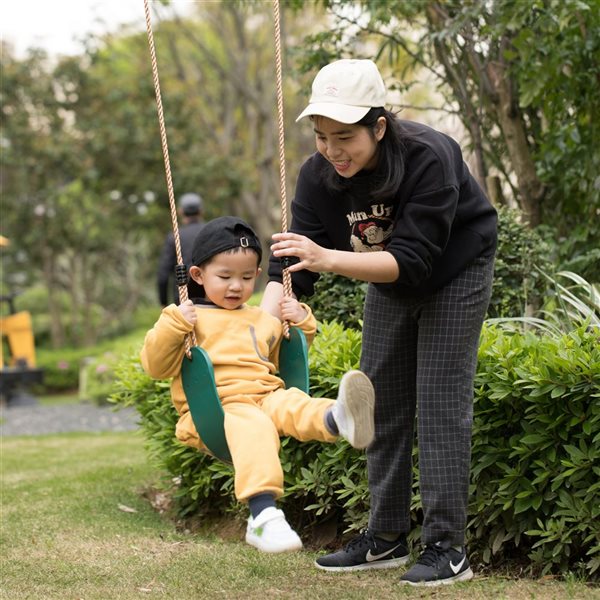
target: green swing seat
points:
(201, 391)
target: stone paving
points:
(39, 419)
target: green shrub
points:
(536, 448)
(517, 281)
(61, 368)
(340, 299)
(67, 368)
(97, 377)
(312, 491)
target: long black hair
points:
(389, 172)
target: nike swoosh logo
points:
(371, 557)
(458, 567)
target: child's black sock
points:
(330, 423)
(259, 502)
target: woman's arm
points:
(375, 267)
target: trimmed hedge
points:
(536, 449)
(535, 493)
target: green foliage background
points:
(535, 488)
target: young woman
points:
(392, 202)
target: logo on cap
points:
(331, 90)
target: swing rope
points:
(287, 279)
(190, 339)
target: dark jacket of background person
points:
(190, 211)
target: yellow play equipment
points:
(18, 331)
(18, 368)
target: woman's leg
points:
(388, 357)
(449, 329)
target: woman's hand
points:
(291, 310)
(311, 256)
(188, 311)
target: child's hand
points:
(188, 311)
(291, 310)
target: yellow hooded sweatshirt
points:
(243, 345)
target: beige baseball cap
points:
(345, 91)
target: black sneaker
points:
(366, 552)
(438, 565)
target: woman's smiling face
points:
(349, 148)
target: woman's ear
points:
(196, 274)
(380, 128)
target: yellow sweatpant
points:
(253, 425)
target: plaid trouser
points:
(421, 354)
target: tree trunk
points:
(57, 332)
(513, 130)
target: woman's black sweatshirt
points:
(438, 222)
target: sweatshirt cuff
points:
(173, 313)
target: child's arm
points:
(299, 315)
(292, 310)
(164, 347)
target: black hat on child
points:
(219, 235)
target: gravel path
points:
(38, 419)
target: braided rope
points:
(190, 339)
(287, 279)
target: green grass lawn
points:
(69, 532)
(59, 398)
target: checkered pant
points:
(421, 354)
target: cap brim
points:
(338, 112)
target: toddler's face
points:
(229, 279)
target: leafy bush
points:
(97, 377)
(517, 282)
(61, 368)
(536, 449)
(66, 368)
(340, 299)
(571, 302)
(195, 488)
(536, 446)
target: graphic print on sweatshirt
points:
(370, 230)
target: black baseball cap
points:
(219, 235)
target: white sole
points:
(464, 576)
(258, 543)
(359, 397)
(393, 563)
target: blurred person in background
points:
(190, 207)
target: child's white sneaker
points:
(270, 532)
(353, 411)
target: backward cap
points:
(223, 233)
(219, 235)
(345, 91)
